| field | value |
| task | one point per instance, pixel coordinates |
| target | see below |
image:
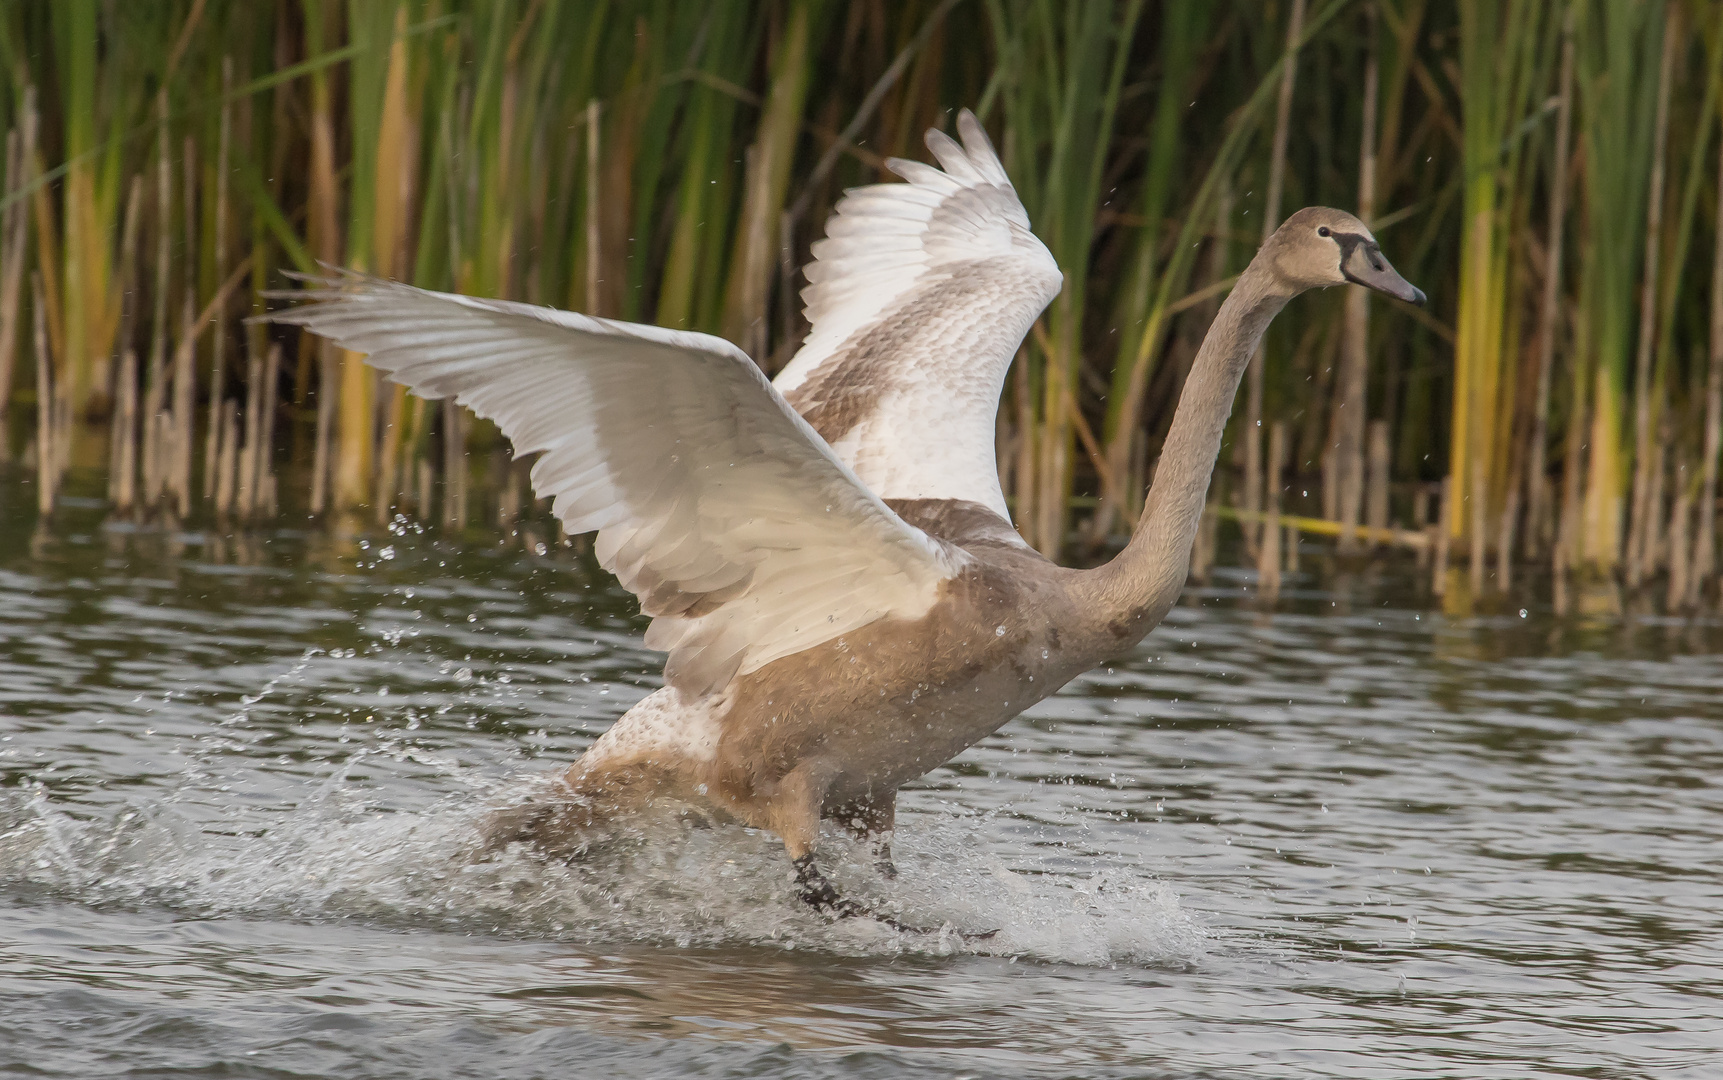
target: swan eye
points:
(1323, 231)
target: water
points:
(238, 792)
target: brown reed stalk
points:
(47, 472)
(768, 179)
(158, 443)
(425, 479)
(327, 382)
(1444, 527)
(123, 486)
(1680, 518)
(152, 446)
(1568, 552)
(1379, 461)
(454, 466)
(323, 235)
(218, 341)
(184, 402)
(176, 466)
(226, 461)
(122, 449)
(508, 499)
(188, 214)
(1651, 540)
(594, 234)
(267, 505)
(1268, 551)
(48, 255)
(155, 388)
(251, 451)
(1505, 536)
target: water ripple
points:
(238, 806)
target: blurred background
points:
(1546, 171)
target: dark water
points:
(238, 791)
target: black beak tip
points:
(1418, 296)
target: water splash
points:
(666, 879)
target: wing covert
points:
(918, 297)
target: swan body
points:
(828, 560)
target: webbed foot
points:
(818, 893)
(882, 863)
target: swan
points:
(828, 559)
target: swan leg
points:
(794, 814)
(873, 818)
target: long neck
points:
(1135, 590)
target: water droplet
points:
(999, 631)
(1523, 613)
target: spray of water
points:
(668, 879)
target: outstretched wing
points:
(742, 534)
(919, 296)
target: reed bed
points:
(1549, 172)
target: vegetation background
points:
(1547, 171)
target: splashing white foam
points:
(337, 856)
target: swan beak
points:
(1364, 265)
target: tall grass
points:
(1505, 52)
(672, 163)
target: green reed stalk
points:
(1619, 46)
(1068, 65)
(1501, 77)
(754, 257)
(446, 141)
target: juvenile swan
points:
(828, 559)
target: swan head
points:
(1319, 246)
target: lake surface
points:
(239, 788)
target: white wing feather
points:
(918, 298)
(740, 531)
